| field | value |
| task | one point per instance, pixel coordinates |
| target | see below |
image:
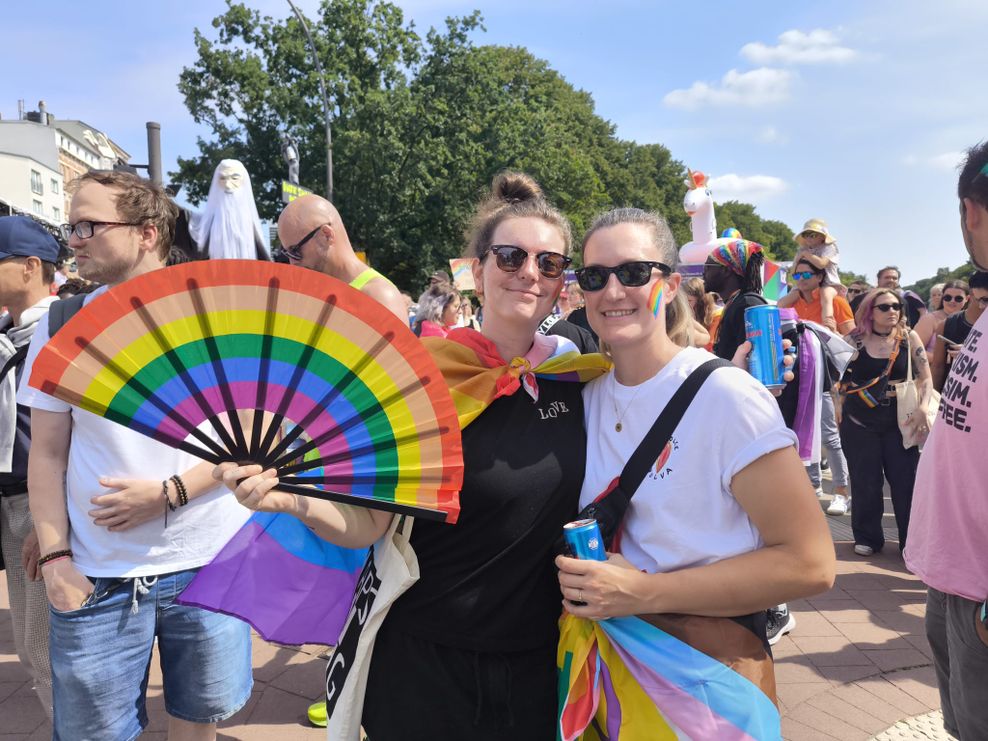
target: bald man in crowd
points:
(313, 236)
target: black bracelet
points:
(183, 493)
(53, 555)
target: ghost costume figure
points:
(229, 227)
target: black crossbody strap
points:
(13, 361)
(658, 437)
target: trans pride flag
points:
(627, 679)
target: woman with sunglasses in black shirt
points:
(867, 414)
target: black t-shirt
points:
(585, 341)
(731, 333)
(22, 439)
(956, 328)
(579, 318)
(488, 583)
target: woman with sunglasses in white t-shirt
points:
(726, 523)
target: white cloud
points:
(796, 47)
(748, 188)
(758, 87)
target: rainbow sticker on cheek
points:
(655, 298)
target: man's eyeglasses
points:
(885, 308)
(804, 275)
(982, 302)
(85, 229)
(510, 259)
(630, 274)
(294, 251)
(954, 299)
(854, 291)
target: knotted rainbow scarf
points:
(294, 587)
(626, 679)
(735, 254)
(477, 375)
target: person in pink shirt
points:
(947, 537)
(439, 311)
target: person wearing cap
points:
(818, 247)
(28, 255)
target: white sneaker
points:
(819, 493)
(840, 505)
(864, 550)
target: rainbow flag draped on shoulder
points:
(292, 586)
(627, 679)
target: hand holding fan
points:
(341, 398)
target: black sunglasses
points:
(294, 251)
(954, 299)
(889, 307)
(854, 290)
(510, 259)
(630, 274)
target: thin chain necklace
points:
(620, 415)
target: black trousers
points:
(872, 445)
(418, 690)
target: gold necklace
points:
(620, 415)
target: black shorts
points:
(418, 690)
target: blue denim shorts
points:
(101, 656)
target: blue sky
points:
(853, 112)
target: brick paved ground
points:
(857, 663)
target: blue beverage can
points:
(584, 540)
(763, 329)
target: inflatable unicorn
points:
(699, 204)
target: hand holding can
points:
(763, 329)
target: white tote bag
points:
(907, 404)
(391, 568)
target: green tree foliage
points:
(420, 127)
(922, 287)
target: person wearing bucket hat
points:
(28, 255)
(818, 246)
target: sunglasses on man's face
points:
(630, 274)
(854, 291)
(294, 251)
(888, 307)
(510, 259)
(954, 299)
(804, 275)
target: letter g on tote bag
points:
(391, 568)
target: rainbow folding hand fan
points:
(240, 360)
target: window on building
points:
(56, 214)
(36, 186)
(39, 208)
(54, 186)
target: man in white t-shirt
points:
(113, 558)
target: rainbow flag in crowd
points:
(626, 679)
(773, 281)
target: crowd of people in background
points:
(742, 559)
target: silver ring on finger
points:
(580, 596)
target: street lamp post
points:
(325, 102)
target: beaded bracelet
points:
(53, 556)
(183, 493)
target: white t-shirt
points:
(683, 514)
(830, 252)
(195, 533)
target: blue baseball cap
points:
(24, 237)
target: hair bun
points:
(515, 187)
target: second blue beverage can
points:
(584, 540)
(763, 329)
